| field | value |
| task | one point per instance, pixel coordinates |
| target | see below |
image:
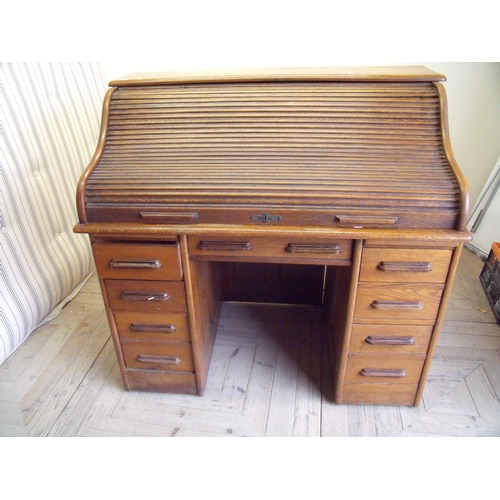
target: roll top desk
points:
(338, 186)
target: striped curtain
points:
(49, 123)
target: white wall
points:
(473, 91)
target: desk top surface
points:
(369, 74)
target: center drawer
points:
(272, 249)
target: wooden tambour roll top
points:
(320, 147)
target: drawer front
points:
(144, 326)
(397, 303)
(379, 394)
(405, 265)
(164, 356)
(366, 368)
(390, 339)
(159, 261)
(273, 249)
(146, 296)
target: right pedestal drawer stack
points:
(398, 298)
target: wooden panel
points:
(168, 296)
(272, 249)
(390, 339)
(405, 265)
(338, 309)
(203, 293)
(148, 326)
(138, 260)
(152, 355)
(378, 394)
(397, 303)
(321, 216)
(272, 283)
(159, 381)
(366, 368)
(415, 242)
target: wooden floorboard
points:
(268, 377)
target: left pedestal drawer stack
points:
(143, 286)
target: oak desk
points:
(334, 187)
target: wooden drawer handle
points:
(313, 247)
(405, 267)
(152, 358)
(390, 340)
(380, 372)
(232, 246)
(168, 217)
(397, 304)
(145, 296)
(360, 220)
(151, 327)
(134, 264)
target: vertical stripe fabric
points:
(49, 124)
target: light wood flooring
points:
(64, 380)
